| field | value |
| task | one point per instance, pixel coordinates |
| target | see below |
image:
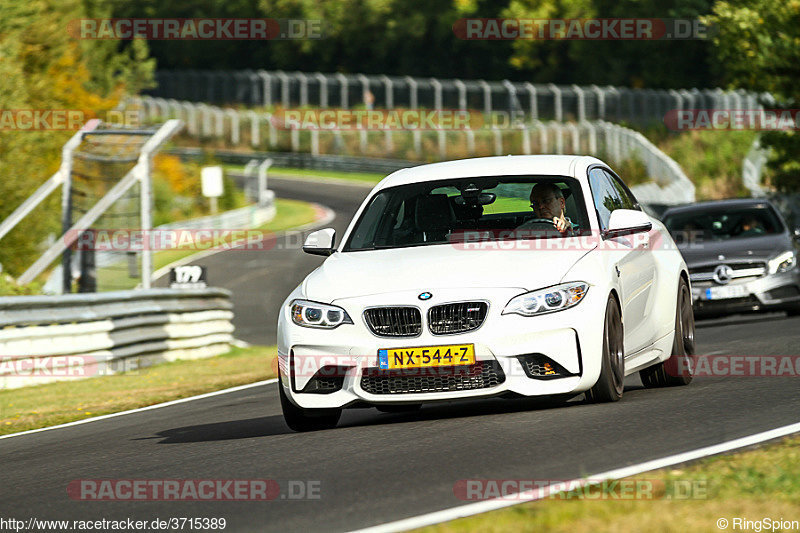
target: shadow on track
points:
(268, 426)
(265, 426)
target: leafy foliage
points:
(759, 45)
(43, 68)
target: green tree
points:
(43, 67)
(759, 46)
(632, 63)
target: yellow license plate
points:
(427, 356)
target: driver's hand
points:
(560, 223)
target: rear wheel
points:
(300, 419)
(610, 384)
(679, 368)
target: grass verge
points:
(713, 160)
(754, 484)
(49, 404)
(290, 214)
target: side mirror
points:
(627, 222)
(320, 242)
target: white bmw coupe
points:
(501, 276)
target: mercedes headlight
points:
(317, 315)
(548, 300)
(784, 262)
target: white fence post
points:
(470, 140)
(323, 89)
(233, 115)
(412, 92)
(343, 89)
(462, 94)
(263, 168)
(557, 102)
(533, 103)
(285, 102)
(388, 89)
(498, 140)
(581, 103)
(487, 97)
(437, 94)
(255, 128)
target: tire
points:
(678, 369)
(411, 408)
(794, 311)
(610, 384)
(300, 419)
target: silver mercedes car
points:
(741, 255)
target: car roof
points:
(716, 204)
(510, 165)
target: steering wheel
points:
(536, 223)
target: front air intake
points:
(394, 321)
(457, 317)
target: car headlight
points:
(784, 262)
(317, 315)
(548, 300)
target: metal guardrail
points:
(534, 101)
(47, 338)
(299, 160)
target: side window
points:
(400, 218)
(627, 198)
(604, 195)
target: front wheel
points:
(678, 369)
(300, 419)
(610, 384)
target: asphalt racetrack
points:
(377, 468)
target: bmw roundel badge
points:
(425, 296)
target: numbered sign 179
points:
(187, 277)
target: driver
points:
(547, 201)
(751, 226)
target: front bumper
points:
(507, 348)
(779, 291)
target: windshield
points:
(438, 212)
(723, 224)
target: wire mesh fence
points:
(615, 143)
(97, 165)
(534, 101)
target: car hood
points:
(763, 247)
(352, 274)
